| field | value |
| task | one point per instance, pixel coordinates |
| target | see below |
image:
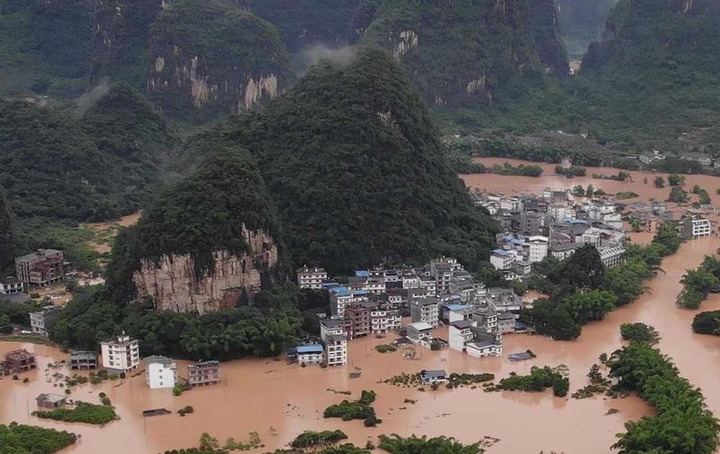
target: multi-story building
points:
(485, 345)
(41, 268)
(204, 373)
(505, 323)
(503, 260)
(696, 227)
(384, 320)
(420, 333)
(121, 354)
(612, 256)
(336, 350)
(357, 319)
(309, 354)
(341, 297)
(426, 310)
(563, 251)
(83, 360)
(429, 283)
(20, 360)
(331, 327)
(537, 248)
(311, 278)
(42, 321)
(11, 286)
(486, 318)
(459, 334)
(160, 372)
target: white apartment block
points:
(696, 227)
(160, 372)
(331, 327)
(311, 278)
(612, 256)
(383, 321)
(11, 286)
(336, 350)
(537, 248)
(120, 354)
(425, 310)
(503, 260)
(459, 334)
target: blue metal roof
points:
(310, 348)
(362, 273)
(456, 307)
(500, 251)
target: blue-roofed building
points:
(309, 354)
(456, 312)
(362, 274)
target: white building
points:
(503, 260)
(696, 227)
(336, 350)
(41, 321)
(486, 345)
(120, 354)
(309, 354)
(331, 327)
(537, 248)
(563, 251)
(10, 286)
(426, 310)
(410, 281)
(160, 372)
(383, 320)
(459, 334)
(311, 278)
(612, 256)
(419, 333)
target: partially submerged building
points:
(83, 360)
(204, 373)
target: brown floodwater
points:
(279, 400)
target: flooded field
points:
(279, 400)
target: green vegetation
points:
(204, 213)
(598, 384)
(318, 152)
(267, 328)
(625, 195)
(704, 197)
(447, 41)
(52, 169)
(210, 443)
(178, 389)
(659, 182)
(359, 409)
(226, 46)
(682, 424)
(7, 234)
(581, 290)
(385, 348)
(46, 47)
(539, 380)
(311, 439)
(678, 195)
(520, 170)
(413, 445)
(22, 439)
(707, 323)
(676, 180)
(698, 283)
(83, 412)
(572, 171)
(639, 332)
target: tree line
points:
(581, 289)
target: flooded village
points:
(439, 318)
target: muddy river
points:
(279, 401)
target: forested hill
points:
(469, 52)
(95, 169)
(655, 73)
(354, 165)
(211, 58)
(206, 212)
(7, 243)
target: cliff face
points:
(582, 22)
(122, 29)
(7, 247)
(207, 242)
(547, 37)
(463, 52)
(173, 285)
(210, 58)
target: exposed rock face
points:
(466, 53)
(212, 58)
(173, 285)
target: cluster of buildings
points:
(554, 225)
(41, 268)
(373, 303)
(122, 355)
(17, 361)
